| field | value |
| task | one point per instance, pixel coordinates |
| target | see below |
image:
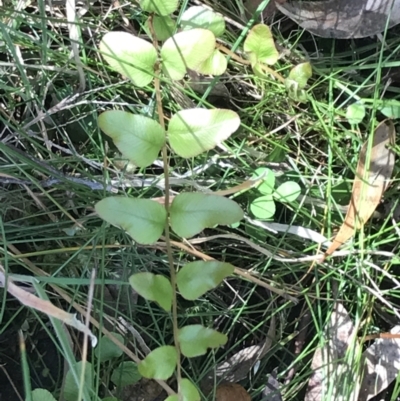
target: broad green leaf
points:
(267, 185)
(160, 7)
(107, 350)
(160, 363)
(188, 390)
(71, 389)
(191, 213)
(216, 64)
(355, 113)
(195, 339)
(300, 73)
(137, 137)
(163, 27)
(263, 207)
(143, 219)
(153, 287)
(196, 278)
(125, 374)
(41, 394)
(288, 192)
(391, 109)
(188, 49)
(129, 55)
(201, 17)
(260, 46)
(194, 131)
(110, 399)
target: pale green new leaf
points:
(153, 287)
(260, 46)
(160, 7)
(137, 137)
(300, 73)
(195, 339)
(216, 64)
(188, 391)
(160, 363)
(201, 17)
(143, 219)
(191, 213)
(194, 131)
(188, 49)
(289, 191)
(390, 108)
(196, 278)
(355, 113)
(263, 207)
(129, 55)
(267, 185)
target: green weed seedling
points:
(264, 207)
(189, 133)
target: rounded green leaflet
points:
(263, 207)
(216, 64)
(71, 390)
(143, 219)
(160, 7)
(355, 113)
(41, 394)
(201, 17)
(164, 27)
(260, 46)
(267, 185)
(191, 213)
(300, 73)
(137, 137)
(188, 49)
(390, 108)
(126, 374)
(196, 278)
(194, 340)
(160, 364)
(129, 55)
(188, 391)
(153, 287)
(107, 350)
(287, 192)
(194, 131)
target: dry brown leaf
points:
(343, 18)
(231, 392)
(332, 374)
(369, 184)
(382, 365)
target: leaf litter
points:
(342, 19)
(373, 174)
(341, 372)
